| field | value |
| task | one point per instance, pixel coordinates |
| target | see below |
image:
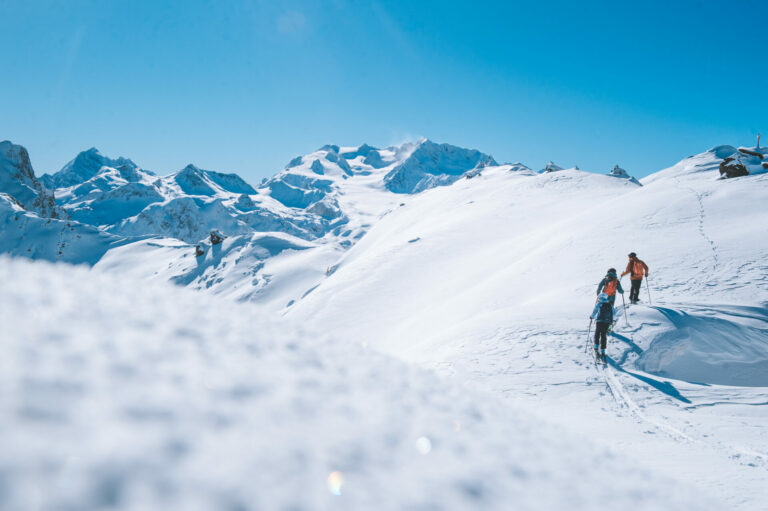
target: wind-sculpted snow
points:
(720, 344)
(151, 397)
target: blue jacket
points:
(603, 313)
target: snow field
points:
(119, 396)
(491, 281)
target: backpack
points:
(610, 286)
(605, 314)
(637, 268)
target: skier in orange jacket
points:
(635, 268)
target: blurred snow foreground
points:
(120, 396)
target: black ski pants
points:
(634, 293)
(601, 334)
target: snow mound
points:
(430, 165)
(151, 397)
(724, 345)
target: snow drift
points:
(720, 344)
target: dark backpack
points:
(605, 314)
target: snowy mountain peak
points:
(86, 165)
(17, 179)
(364, 150)
(195, 181)
(428, 164)
(191, 167)
(16, 157)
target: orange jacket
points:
(636, 268)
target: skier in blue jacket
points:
(603, 315)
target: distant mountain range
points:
(213, 230)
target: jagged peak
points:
(551, 167)
(191, 168)
(330, 148)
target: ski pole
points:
(624, 304)
(589, 334)
(648, 288)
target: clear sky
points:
(243, 86)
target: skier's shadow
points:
(665, 387)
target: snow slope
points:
(324, 201)
(151, 397)
(25, 234)
(491, 281)
(488, 280)
(320, 205)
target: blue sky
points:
(243, 86)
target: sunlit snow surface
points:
(123, 396)
(491, 281)
(135, 395)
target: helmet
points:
(632, 254)
(602, 297)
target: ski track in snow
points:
(623, 399)
(542, 370)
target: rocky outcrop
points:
(216, 237)
(17, 179)
(751, 152)
(732, 167)
(552, 167)
(620, 173)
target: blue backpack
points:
(605, 314)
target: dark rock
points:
(199, 251)
(750, 152)
(730, 167)
(216, 237)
